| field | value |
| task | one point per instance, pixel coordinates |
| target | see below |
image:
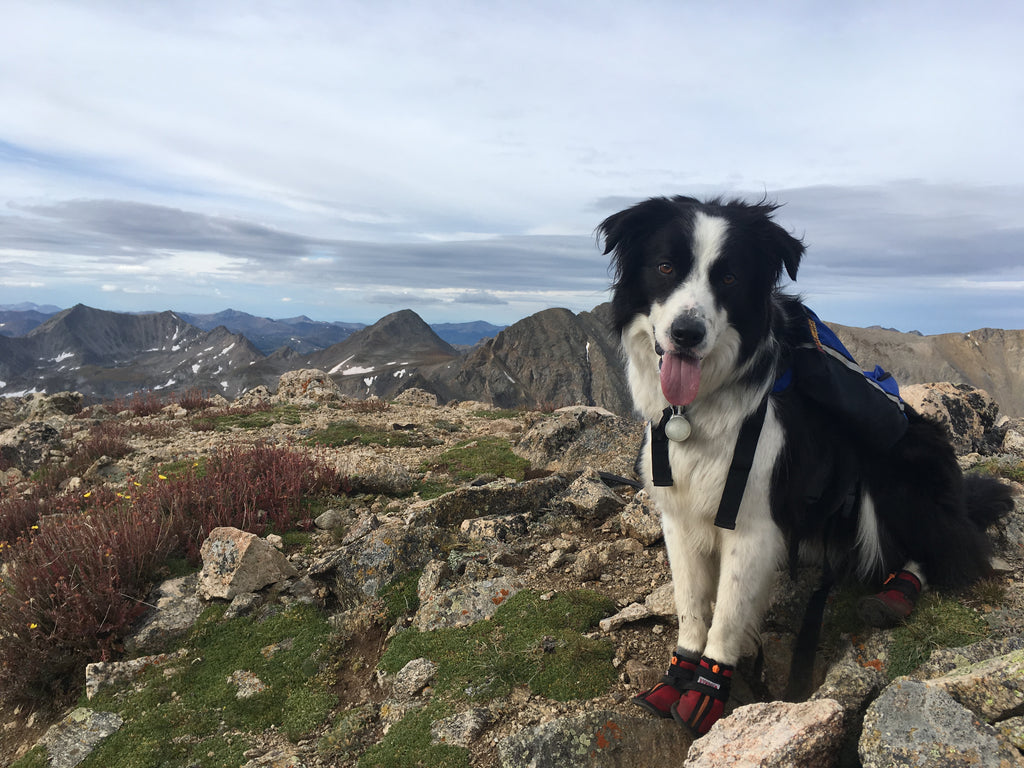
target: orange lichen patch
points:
(608, 731)
(500, 597)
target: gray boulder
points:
(776, 734)
(992, 689)
(27, 445)
(177, 608)
(309, 385)
(464, 604)
(577, 437)
(588, 498)
(356, 571)
(500, 498)
(235, 562)
(912, 724)
(968, 414)
(369, 473)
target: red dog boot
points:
(703, 701)
(659, 699)
(894, 604)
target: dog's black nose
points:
(688, 331)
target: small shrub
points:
(144, 403)
(108, 438)
(71, 591)
(370, 405)
(256, 488)
(17, 515)
(193, 399)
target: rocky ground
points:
(557, 528)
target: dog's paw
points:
(659, 699)
(702, 701)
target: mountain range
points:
(549, 359)
(301, 333)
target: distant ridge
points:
(549, 359)
(301, 333)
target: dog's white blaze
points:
(694, 294)
(869, 545)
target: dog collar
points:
(739, 469)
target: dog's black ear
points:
(789, 248)
(622, 229)
(792, 251)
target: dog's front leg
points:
(749, 559)
(751, 555)
(694, 573)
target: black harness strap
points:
(739, 469)
(661, 470)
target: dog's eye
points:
(665, 268)
(728, 278)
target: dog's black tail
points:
(988, 500)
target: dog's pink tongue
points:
(680, 378)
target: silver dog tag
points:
(677, 428)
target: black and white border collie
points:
(705, 328)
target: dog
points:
(707, 334)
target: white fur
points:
(869, 545)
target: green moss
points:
(35, 758)
(259, 419)
(431, 489)
(484, 455)
(407, 745)
(529, 641)
(190, 717)
(1009, 469)
(938, 622)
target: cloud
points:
(461, 156)
(479, 297)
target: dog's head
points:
(701, 276)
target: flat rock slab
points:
(911, 724)
(601, 739)
(71, 740)
(465, 604)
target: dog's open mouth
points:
(680, 378)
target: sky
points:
(345, 160)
